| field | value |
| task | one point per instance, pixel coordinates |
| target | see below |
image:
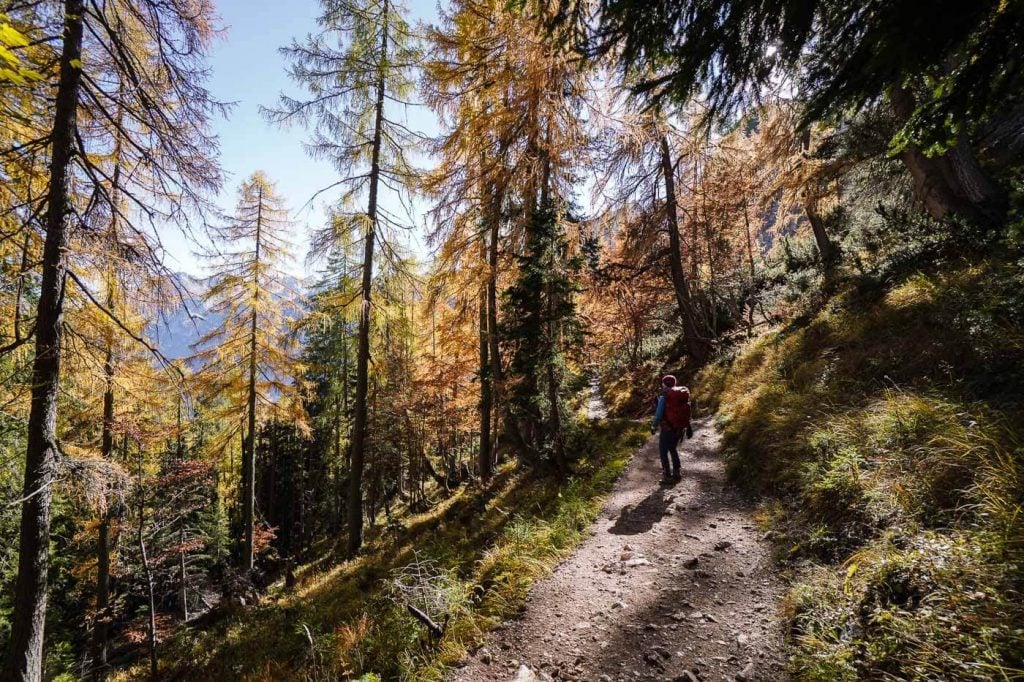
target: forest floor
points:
(675, 583)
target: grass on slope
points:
(468, 562)
(887, 428)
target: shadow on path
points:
(641, 518)
(696, 596)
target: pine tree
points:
(540, 325)
(329, 329)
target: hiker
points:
(672, 415)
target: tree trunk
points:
(182, 573)
(346, 457)
(148, 575)
(696, 345)
(101, 623)
(506, 424)
(25, 656)
(355, 495)
(751, 296)
(248, 558)
(827, 251)
(554, 383)
(20, 287)
(484, 455)
(554, 389)
(953, 183)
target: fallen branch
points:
(436, 630)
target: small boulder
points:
(524, 674)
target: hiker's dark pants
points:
(667, 442)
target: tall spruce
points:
(507, 93)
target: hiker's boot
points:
(676, 476)
(666, 477)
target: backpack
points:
(677, 409)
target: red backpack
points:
(677, 408)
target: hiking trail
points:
(674, 583)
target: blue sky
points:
(248, 70)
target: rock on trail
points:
(675, 583)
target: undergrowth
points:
(886, 430)
(467, 563)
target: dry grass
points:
(887, 426)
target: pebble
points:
(747, 674)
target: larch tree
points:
(357, 71)
(465, 78)
(103, 368)
(643, 152)
(157, 50)
(248, 362)
(508, 96)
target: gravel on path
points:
(675, 583)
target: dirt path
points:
(673, 584)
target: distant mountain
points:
(175, 332)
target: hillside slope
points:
(885, 431)
(468, 563)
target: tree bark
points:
(247, 561)
(505, 424)
(826, 249)
(355, 495)
(20, 287)
(101, 623)
(485, 462)
(147, 574)
(553, 331)
(952, 183)
(182, 573)
(25, 656)
(696, 345)
(103, 547)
